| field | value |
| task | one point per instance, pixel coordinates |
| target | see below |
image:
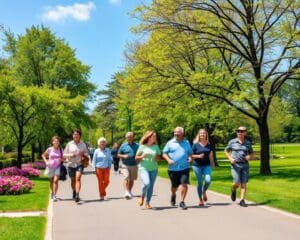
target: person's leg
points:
(207, 180)
(244, 180)
(152, 177)
(51, 185)
(106, 173)
(117, 164)
(146, 183)
(55, 184)
(77, 184)
(174, 186)
(184, 181)
(235, 173)
(144, 174)
(98, 175)
(102, 185)
(198, 174)
(243, 190)
(132, 177)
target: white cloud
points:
(115, 2)
(77, 11)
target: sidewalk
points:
(118, 219)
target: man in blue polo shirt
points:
(127, 153)
(177, 153)
(239, 151)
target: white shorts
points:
(51, 172)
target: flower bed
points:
(14, 185)
(37, 164)
(25, 171)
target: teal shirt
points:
(130, 150)
(148, 163)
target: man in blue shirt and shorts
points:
(129, 169)
(177, 152)
(239, 151)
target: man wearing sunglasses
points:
(239, 151)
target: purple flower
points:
(15, 185)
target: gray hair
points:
(101, 140)
(128, 134)
(179, 129)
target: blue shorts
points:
(72, 171)
(240, 172)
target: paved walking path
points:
(118, 218)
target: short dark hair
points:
(76, 130)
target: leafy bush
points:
(14, 185)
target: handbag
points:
(63, 173)
(84, 161)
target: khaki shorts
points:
(129, 172)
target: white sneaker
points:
(105, 198)
(54, 198)
(130, 194)
(126, 195)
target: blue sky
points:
(98, 30)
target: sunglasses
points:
(241, 131)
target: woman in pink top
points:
(53, 157)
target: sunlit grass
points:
(280, 190)
(25, 228)
(35, 200)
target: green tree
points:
(27, 111)
(35, 60)
(252, 47)
(40, 58)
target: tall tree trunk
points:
(264, 146)
(40, 150)
(32, 152)
(19, 155)
(20, 147)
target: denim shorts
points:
(179, 177)
(240, 172)
(72, 171)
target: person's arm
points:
(228, 155)
(121, 155)
(109, 159)
(200, 155)
(94, 158)
(211, 159)
(140, 156)
(166, 157)
(250, 154)
(44, 156)
(67, 153)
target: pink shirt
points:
(54, 156)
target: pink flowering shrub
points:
(36, 164)
(13, 185)
(12, 171)
(25, 171)
(31, 172)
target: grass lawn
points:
(35, 200)
(25, 228)
(280, 190)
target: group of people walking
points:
(143, 157)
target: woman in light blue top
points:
(102, 162)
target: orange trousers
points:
(103, 180)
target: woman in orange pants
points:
(102, 162)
